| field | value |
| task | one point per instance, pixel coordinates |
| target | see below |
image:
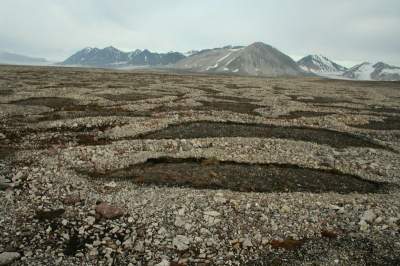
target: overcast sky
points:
(348, 31)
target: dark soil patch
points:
(361, 84)
(232, 86)
(106, 112)
(205, 89)
(320, 251)
(74, 244)
(49, 215)
(164, 108)
(52, 102)
(339, 107)
(235, 86)
(385, 110)
(300, 114)
(129, 96)
(5, 92)
(318, 99)
(203, 174)
(235, 107)
(206, 129)
(388, 123)
(80, 135)
(287, 244)
(234, 98)
(6, 146)
(74, 84)
(279, 88)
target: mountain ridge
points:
(258, 59)
(320, 64)
(368, 71)
(113, 57)
(13, 58)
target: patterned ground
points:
(205, 169)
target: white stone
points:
(179, 222)
(212, 213)
(220, 199)
(181, 211)
(369, 216)
(247, 243)
(363, 226)
(139, 247)
(112, 184)
(90, 220)
(162, 231)
(8, 257)
(285, 209)
(204, 231)
(181, 242)
(164, 262)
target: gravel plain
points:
(101, 167)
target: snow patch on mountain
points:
(379, 71)
(319, 64)
(112, 57)
(255, 59)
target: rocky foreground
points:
(103, 167)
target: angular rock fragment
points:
(6, 258)
(181, 242)
(105, 210)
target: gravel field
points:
(104, 167)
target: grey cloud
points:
(352, 30)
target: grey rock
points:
(164, 262)
(179, 222)
(5, 184)
(247, 243)
(369, 216)
(181, 242)
(7, 258)
(139, 247)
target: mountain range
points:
(112, 57)
(319, 64)
(322, 66)
(17, 59)
(257, 59)
(368, 71)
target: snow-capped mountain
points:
(379, 71)
(112, 57)
(320, 64)
(255, 59)
(190, 53)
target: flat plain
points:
(106, 167)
